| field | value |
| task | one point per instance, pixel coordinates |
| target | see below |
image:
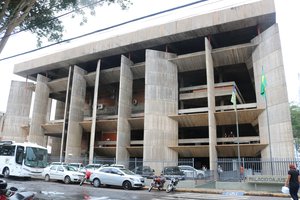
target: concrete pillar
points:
(74, 135)
(161, 100)
(39, 111)
(124, 112)
(17, 111)
(56, 141)
(212, 127)
(268, 54)
(94, 115)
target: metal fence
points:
(231, 167)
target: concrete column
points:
(17, 111)
(124, 112)
(212, 127)
(39, 112)
(94, 115)
(56, 141)
(161, 100)
(74, 135)
(268, 54)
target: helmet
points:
(3, 184)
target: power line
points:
(104, 29)
(57, 17)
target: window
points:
(53, 168)
(7, 150)
(20, 155)
(60, 168)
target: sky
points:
(287, 12)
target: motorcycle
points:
(157, 182)
(172, 185)
(12, 194)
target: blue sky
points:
(287, 14)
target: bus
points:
(22, 159)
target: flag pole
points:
(263, 92)
(268, 123)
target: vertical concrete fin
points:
(212, 127)
(39, 112)
(17, 111)
(76, 113)
(268, 54)
(94, 114)
(161, 100)
(124, 112)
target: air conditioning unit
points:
(100, 106)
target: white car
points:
(191, 172)
(117, 177)
(64, 173)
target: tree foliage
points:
(40, 16)
(295, 117)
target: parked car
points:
(117, 177)
(78, 166)
(117, 165)
(144, 171)
(192, 173)
(173, 172)
(63, 173)
(91, 167)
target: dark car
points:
(173, 172)
(144, 171)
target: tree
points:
(38, 16)
(295, 116)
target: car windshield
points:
(127, 171)
(36, 157)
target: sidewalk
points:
(246, 193)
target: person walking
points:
(293, 181)
(86, 177)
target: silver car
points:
(64, 173)
(117, 177)
(191, 172)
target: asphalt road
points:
(59, 191)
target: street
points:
(58, 191)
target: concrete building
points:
(163, 93)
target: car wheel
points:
(6, 172)
(47, 178)
(67, 180)
(200, 176)
(96, 182)
(169, 188)
(127, 185)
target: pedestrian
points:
(86, 177)
(220, 171)
(292, 181)
(242, 171)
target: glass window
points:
(36, 157)
(53, 168)
(60, 168)
(20, 155)
(7, 150)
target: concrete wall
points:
(74, 133)
(39, 111)
(124, 112)
(268, 54)
(17, 112)
(161, 100)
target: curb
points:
(216, 191)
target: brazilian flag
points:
(263, 83)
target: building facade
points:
(163, 93)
